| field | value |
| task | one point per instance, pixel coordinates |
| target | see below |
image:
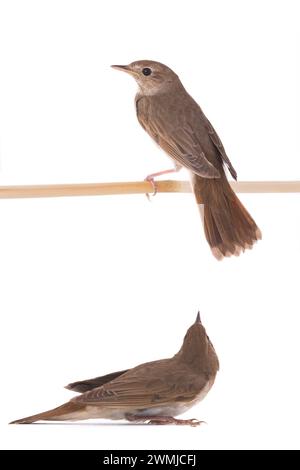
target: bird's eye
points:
(146, 71)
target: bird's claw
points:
(195, 422)
(163, 420)
(178, 422)
(154, 186)
(188, 422)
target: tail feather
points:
(228, 227)
(67, 411)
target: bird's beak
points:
(123, 68)
(198, 319)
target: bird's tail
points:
(229, 228)
(67, 411)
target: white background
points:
(93, 285)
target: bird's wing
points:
(219, 146)
(89, 384)
(183, 147)
(148, 385)
(179, 141)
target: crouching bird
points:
(178, 125)
(153, 392)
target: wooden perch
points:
(138, 187)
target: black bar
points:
(135, 459)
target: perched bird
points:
(153, 392)
(177, 123)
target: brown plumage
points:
(178, 125)
(89, 384)
(153, 392)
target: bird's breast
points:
(161, 110)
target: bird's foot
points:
(178, 422)
(153, 183)
(151, 177)
(162, 420)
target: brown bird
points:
(177, 123)
(153, 392)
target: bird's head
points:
(196, 334)
(152, 77)
(197, 348)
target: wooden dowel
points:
(266, 186)
(137, 187)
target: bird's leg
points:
(151, 177)
(161, 420)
